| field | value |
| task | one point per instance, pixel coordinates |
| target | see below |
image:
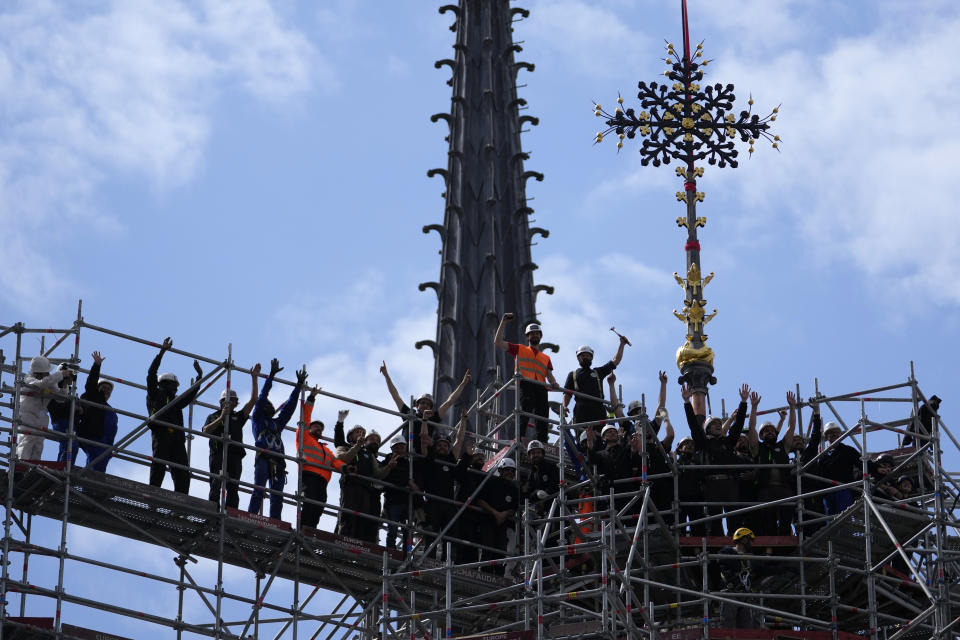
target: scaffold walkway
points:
(882, 569)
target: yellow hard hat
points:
(742, 533)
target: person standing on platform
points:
(317, 463)
(35, 396)
(437, 475)
(233, 444)
(535, 368)
(774, 484)
(689, 488)
(923, 424)
(270, 465)
(166, 412)
(588, 380)
(807, 451)
(358, 495)
(500, 498)
(395, 474)
(840, 463)
(717, 450)
(543, 476)
(59, 409)
(469, 475)
(98, 422)
(739, 576)
(424, 412)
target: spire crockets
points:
(689, 123)
(486, 268)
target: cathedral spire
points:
(486, 268)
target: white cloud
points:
(125, 89)
(583, 36)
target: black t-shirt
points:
(590, 382)
(237, 420)
(501, 494)
(437, 474)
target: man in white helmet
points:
(398, 481)
(424, 410)
(500, 498)
(588, 380)
(35, 395)
(543, 476)
(535, 368)
(231, 420)
(169, 441)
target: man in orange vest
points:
(316, 464)
(535, 368)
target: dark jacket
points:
(544, 476)
(842, 463)
(614, 463)
(436, 474)
(268, 431)
(716, 450)
(157, 399)
(93, 419)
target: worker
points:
(535, 369)
(35, 396)
(500, 498)
(738, 575)
(588, 380)
(774, 484)
(359, 496)
(841, 463)
(689, 487)
(613, 462)
(437, 474)
(717, 454)
(398, 481)
(60, 407)
(543, 477)
(317, 463)
(806, 450)
(923, 424)
(231, 419)
(268, 425)
(469, 475)
(98, 422)
(424, 412)
(166, 422)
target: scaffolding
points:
(582, 564)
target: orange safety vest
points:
(532, 364)
(317, 457)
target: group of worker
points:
(436, 478)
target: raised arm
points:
(449, 402)
(741, 416)
(617, 358)
(752, 437)
(498, 340)
(291, 404)
(792, 420)
(693, 420)
(461, 434)
(262, 399)
(391, 388)
(254, 383)
(615, 400)
(93, 379)
(152, 386)
(662, 396)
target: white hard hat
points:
(710, 419)
(395, 440)
(634, 406)
(106, 382)
(168, 377)
(533, 326)
(375, 435)
(426, 396)
(767, 424)
(534, 444)
(584, 349)
(830, 426)
(228, 392)
(507, 463)
(609, 427)
(39, 364)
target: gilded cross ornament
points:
(684, 121)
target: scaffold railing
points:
(594, 559)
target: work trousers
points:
(169, 448)
(496, 536)
(68, 449)
(268, 468)
(398, 512)
(314, 488)
(234, 469)
(836, 502)
(533, 399)
(439, 515)
(468, 528)
(775, 520)
(357, 498)
(720, 491)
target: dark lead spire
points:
(486, 268)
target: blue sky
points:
(255, 174)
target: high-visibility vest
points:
(532, 364)
(316, 456)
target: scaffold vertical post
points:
(834, 627)
(942, 611)
(605, 597)
(527, 566)
(11, 474)
(222, 497)
(705, 585)
(448, 593)
(867, 531)
(68, 470)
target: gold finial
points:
(700, 196)
(682, 197)
(681, 172)
(620, 99)
(676, 276)
(681, 221)
(698, 171)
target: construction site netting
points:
(89, 553)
